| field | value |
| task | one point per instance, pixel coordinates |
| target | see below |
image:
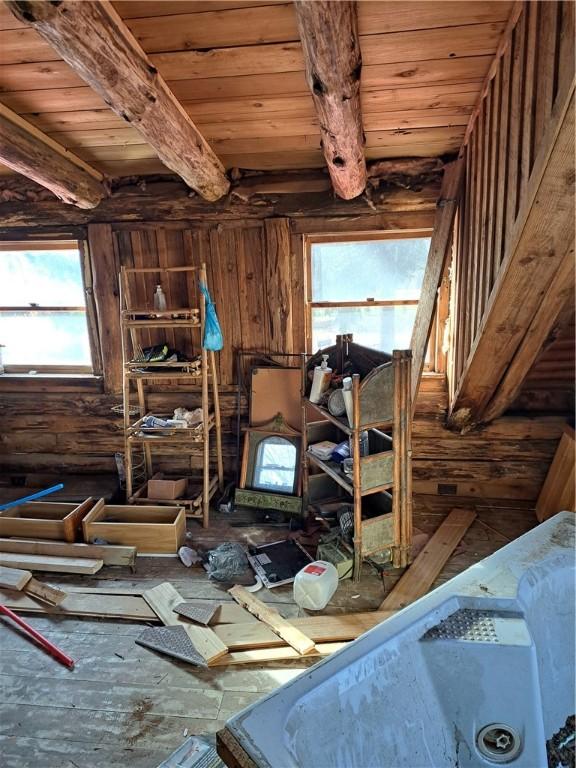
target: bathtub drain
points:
(499, 743)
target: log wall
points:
(256, 272)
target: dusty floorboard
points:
(124, 705)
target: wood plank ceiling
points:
(238, 69)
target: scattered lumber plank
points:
(284, 629)
(45, 592)
(227, 613)
(109, 554)
(93, 606)
(22, 581)
(423, 572)
(14, 578)
(162, 600)
(261, 655)
(49, 563)
(320, 629)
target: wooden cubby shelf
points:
(381, 405)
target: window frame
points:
(356, 237)
(94, 370)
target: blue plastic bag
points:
(213, 339)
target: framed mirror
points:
(271, 464)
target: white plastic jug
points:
(315, 584)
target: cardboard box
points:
(167, 489)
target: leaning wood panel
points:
(557, 494)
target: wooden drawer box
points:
(164, 489)
(150, 529)
(45, 520)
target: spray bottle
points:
(159, 299)
(321, 380)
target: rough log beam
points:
(28, 151)
(94, 41)
(140, 199)
(329, 34)
(532, 272)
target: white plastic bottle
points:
(159, 299)
(315, 585)
(321, 380)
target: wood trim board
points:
(280, 626)
(110, 555)
(423, 572)
(52, 564)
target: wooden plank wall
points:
(256, 274)
(529, 81)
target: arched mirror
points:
(275, 465)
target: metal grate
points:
(172, 641)
(198, 612)
(465, 624)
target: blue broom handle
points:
(32, 497)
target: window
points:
(43, 313)
(275, 467)
(365, 286)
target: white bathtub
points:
(477, 673)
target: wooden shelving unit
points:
(382, 406)
(184, 325)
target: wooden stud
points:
(437, 257)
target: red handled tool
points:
(46, 644)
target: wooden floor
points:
(124, 705)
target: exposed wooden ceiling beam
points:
(95, 42)
(329, 34)
(28, 151)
